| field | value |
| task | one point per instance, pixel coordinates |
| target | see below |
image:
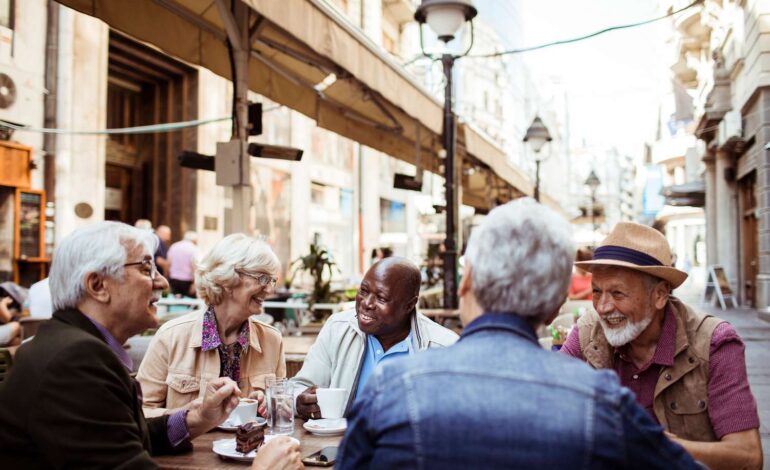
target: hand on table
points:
(259, 395)
(281, 453)
(307, 404)
(220, 398)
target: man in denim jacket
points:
(496, 399)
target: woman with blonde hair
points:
(224, 340)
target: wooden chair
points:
(29, 326)
(5, 365)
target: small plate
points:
(230, 427)
(226, 448)
(326, 426)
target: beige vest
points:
(681, 393)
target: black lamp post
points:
(445, 17)
(537, 135)
(592, 183)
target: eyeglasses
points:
(148, 267)
(262, 278)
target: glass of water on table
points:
(280, 406)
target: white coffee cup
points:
(243, 413)
(331, 401)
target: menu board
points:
(30, 220)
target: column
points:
(709, 177)
(763, 210)
(727, 217)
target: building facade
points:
(722, 60)
(340, 195)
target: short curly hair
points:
(217, 271)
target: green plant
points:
(317, 263)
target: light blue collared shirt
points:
(376, 354)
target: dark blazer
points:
(70, 403)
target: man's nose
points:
(160, 282)
(603, 304)
(368, 300)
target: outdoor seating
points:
(566, 320)
(29, 326)
(5, 364)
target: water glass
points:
(280, 406)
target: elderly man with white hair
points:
(69, 401)
(496, 399)
(686, 369)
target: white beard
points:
(619, 337)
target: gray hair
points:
(521, 260)
(219, 268)
(98, 248)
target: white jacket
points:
(336, 357)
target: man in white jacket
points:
(385, 324)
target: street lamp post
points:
(445, 18)
(537, 135)
(592, 182)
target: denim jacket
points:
(496, 399)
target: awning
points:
(692, 194)
(310, 58)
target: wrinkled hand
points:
(259, 395)
(307, 404)
(281, 453)
(220, 398)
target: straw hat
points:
(637, 247)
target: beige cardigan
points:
(175, 371)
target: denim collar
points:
(501, 321)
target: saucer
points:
(326, 426)
(226, 448)
(227, 425)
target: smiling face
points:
(626, 303)
(249, 293)
(386, 299)
(133, 298)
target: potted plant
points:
(320, 266)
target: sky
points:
(613, 81)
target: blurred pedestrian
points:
(161, 255)
(181, 259)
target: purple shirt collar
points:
(211, 339)
(113, 343)
(664, 351)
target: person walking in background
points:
(161, 255)
(580, 284)
(181, 260)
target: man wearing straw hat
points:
(687, 369)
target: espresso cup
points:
(331, 401)
(243, 413)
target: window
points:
(6, 13)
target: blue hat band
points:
(621, 253)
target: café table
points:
(203, 456)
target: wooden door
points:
(749, 238)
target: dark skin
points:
(385, 303)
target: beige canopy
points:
(308, 57)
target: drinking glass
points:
(280, 406)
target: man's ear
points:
(96, 288)
(466, 283)
(660, 295)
